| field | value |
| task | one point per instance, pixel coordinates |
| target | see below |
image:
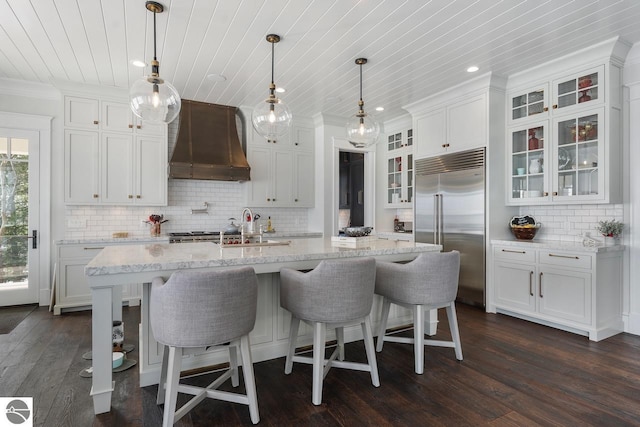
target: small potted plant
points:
(611, 230)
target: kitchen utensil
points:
(231, 228)
(357, 231)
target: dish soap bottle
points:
(269, 229)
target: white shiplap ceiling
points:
(415, 47)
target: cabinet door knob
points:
(274, 200)
(555, 106)
(296, 143)
(95, 122)
(131, 196)
(546, 193)
(444, 145)
(555, 193)
(130, 126)
(268, 199)
(139, 126)
(295, 200)
(95, 196)
(138, 196)
(545, 109)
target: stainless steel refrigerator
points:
(450, 211)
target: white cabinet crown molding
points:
(472, 87)
(29, 89)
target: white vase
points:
(610, 241)
(535, 166)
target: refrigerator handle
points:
(441, 220)
(435, 219)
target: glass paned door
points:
(527, 162)
(18, 217)
(394, 179)
(578, 155)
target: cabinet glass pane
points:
(528, 104)
(410, 137)
(527, 166)
(409, 178)
(579, 90)
(578, 156)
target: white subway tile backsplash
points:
(580, 218)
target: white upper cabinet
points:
(282, 170)
(111, 158)
(457, 126)
(566, 148)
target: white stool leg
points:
(249, 378)
(418, 338)
(340, 339)
(319, 338)
(293, 335)
(453, 325)
(233, 364)
(371, 354)
(386, 305)
(163, 376)
(173, 377)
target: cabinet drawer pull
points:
(514, 252)
(93, 249)
(565, 256)
(531, 283)
(541, 296)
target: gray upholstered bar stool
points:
(193, 311)
(337, 293)
(426, 283)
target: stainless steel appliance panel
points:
(449, 211)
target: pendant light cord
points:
(272, 61)
(155, 57)
(360, 82)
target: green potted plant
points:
(611, 230)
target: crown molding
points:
(29, 89)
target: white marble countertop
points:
(103, 240)
(557, 245)
(125, 259)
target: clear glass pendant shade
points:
(271, 118)
(362, 131)
(156, 102)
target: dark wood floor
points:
(514, 373)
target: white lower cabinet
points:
(72, 289)
(578, 291)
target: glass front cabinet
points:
(400, 174)
(563, 167)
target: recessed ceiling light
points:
(138, 63)
(379, 108)
(216, 77)
(472, 69)
(280, 90)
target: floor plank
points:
(514, 373)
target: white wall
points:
(632, 195)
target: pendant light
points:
(271, 118)
(152, 98)
(362, 129)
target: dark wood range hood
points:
(208, 146)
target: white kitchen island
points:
(116, 266)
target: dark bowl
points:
(357, 231)
(524, 233)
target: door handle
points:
(540, 293)
(34, 236)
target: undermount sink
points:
(255, 244)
